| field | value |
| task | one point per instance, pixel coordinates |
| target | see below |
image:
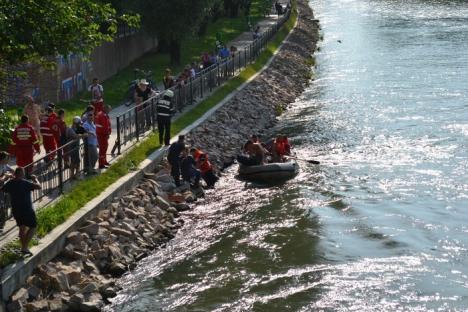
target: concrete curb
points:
(54, 242)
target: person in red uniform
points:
(205, 167)
(25, 142)
(47, 122)
(59, 128)
(281, 148)
(103, 132)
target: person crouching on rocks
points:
(205, 167)
(255, 154)
(189, 170)
(173, 157)
(22, 208)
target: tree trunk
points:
(175, 52)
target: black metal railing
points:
(136, 121)
(54, 169)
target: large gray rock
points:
(91, 229)
(89, 288)
(119, 231)
(75, 238)
(21, 295)
(116, 269)
(162, 202)
(37, 306)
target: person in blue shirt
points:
(92, 143)
(224, 52)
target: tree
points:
(172, 20)
(33, 30)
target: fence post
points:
(245, 57)
(181, 103)
(191, 90)
(137, 126)
(118, 135)
(60, 169)
(202, 78)
(152, 115)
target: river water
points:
(381, 224)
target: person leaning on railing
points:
(73, 134)
(6, 173)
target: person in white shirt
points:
(97, 91)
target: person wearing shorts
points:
(20, 190)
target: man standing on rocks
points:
(173, 157)
(165, 109)
(21, 204)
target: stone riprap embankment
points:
(83, 277)
(254, 109)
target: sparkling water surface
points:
(382, 223)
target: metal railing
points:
(53, 170)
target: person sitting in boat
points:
(188, 169)
(255, 154)
(281, 148)
(205, 167)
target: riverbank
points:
(254, 110)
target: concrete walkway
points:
(9, 232)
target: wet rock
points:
(108, 292)
(116, 269)
(182, 207)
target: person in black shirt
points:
(142, 93)
(22, 207)
(165, 110)
(173, 157)
(189, 170)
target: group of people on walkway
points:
(190, 164)
(94, 127)
(256, 153)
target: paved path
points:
(9, 232)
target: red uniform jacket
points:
(47, 123)
(103, 124)
(24, 136)
(59, 129)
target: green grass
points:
(115, 88)
(84, 191)
(11, 256)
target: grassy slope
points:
(86, 190)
